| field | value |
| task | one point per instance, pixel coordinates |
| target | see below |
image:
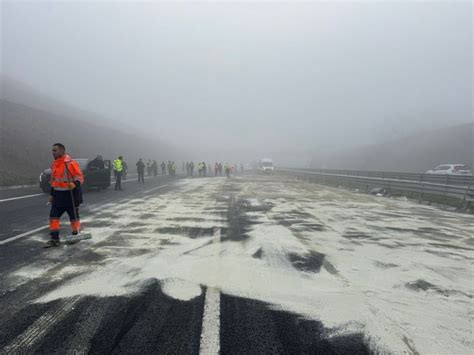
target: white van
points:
(266, 165)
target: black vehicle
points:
(94, 177)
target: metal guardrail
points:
(438, 179)
(463, 189)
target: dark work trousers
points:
(140, 177)
(118, 180)
(55, 215)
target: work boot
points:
(52, 243)
(53, 240)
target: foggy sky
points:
(247, 80)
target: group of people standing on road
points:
(189, 166)
(120, 170)
(204, 169)
(152, 168)
(171, 168)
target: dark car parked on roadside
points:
(94, 177)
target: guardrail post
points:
(465, 204)
(420, 196)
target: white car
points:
(266, 165)
(451, 169)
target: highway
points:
(248, 265)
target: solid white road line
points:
(210, 334)
(16, 187)
(8, 240)
(156, 188)
(135, 179)
(44, 194)
(20, 197)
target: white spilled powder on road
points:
(68, 271)
(181, 289)
(374, 248)
(29, 272)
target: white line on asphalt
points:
(43, 194)
(20, 197)
(210, 334)
(136, 179)
(23, 235)
(156, 188)
(16, 187)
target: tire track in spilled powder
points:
(35, 333)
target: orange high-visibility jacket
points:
(62, 176)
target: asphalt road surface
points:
(251, 265)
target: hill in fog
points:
(416, 153)
(30, 124)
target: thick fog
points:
(239, 81)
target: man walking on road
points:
(125, 168)
(141, 171)
(191, 169)
(118, 170)
(227, 169)
(163, 168)
(173, 168)
(148, 167)
(200, 169)
(65, 195)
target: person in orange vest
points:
(66, 195)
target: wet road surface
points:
(253, 264)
